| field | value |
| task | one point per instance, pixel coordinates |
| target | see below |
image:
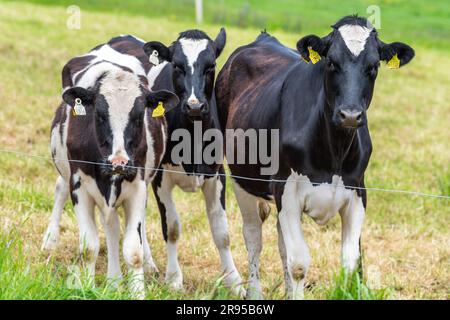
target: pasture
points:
(406, 239)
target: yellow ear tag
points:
(394, 63)
(159, 111)
(313, 55)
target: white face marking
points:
(120, 89)
(355, 37)
(192, 49)
(192, 98)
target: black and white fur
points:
(118, 133)
(325, 146)
(188, 68)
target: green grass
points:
(425, 22)
(49, 280)
(352, 287)
(406, 239)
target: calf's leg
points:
(111, 225)
(149, 264)
(89, 241)
(214, 193)
(297, 252)
(352, 217)
(133, 243)
(51, 236)
(171, 226)
(252, 229)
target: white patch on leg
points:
(111, 225)
(192, 49)
(51, 236)
(133, 249)
(252, 229)
(352, 220)
(321, 202)
(149, 264)
(174, 276)
(297, 252)
(89, 240)
(355, 37)
(212, 189)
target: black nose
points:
(195, 107)
(350, 118)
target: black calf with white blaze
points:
(187, 67)
(320, 109)
(96, 152)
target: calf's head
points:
(117, 106)
(193, 57)
(351, 56)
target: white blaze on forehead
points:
(355, 37)
(192, 48)
(120, 89)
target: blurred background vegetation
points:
(427, 22)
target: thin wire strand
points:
(412, 193)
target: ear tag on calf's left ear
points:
(313, 55)
(159, 111)
(154, 58)
(394, 63)
(79, 109)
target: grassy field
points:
(406, 239)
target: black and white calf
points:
(320, 109)
(187, 67)
(116, 129)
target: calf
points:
(320, 110)
(102, 136)
(187, 67)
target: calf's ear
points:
(158, 50)
(220, 41)
(396, 54)
(87, 96)
(312, 48)
(169, 99)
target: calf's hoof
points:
(175, 281)
(254, 292)
(50, 240)
(151, 269)
(234, 282)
